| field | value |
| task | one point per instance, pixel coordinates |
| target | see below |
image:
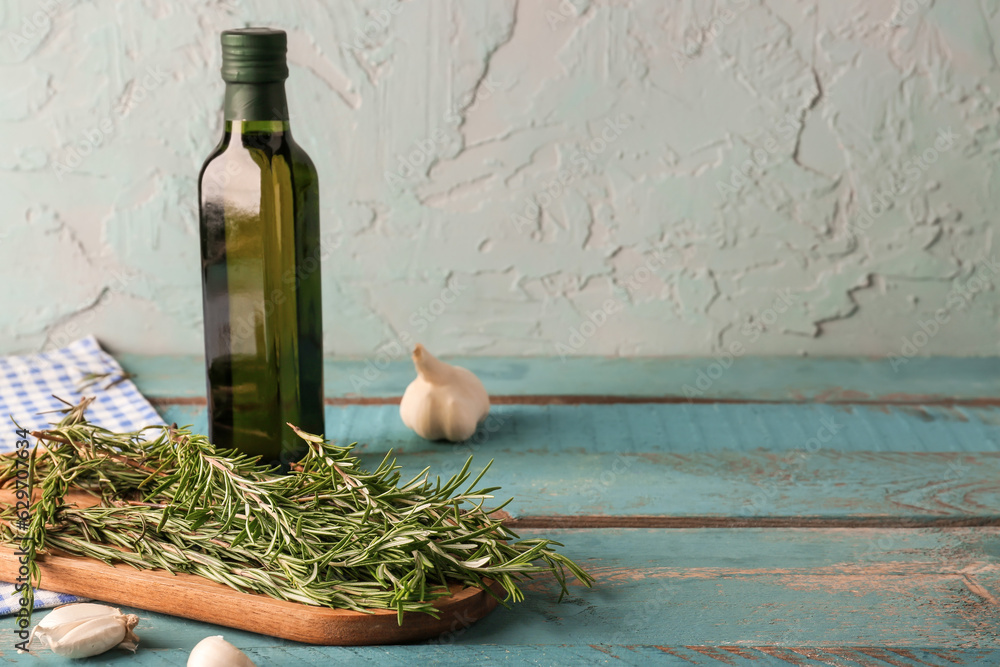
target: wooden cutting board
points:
(193, 597)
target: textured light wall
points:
(534, 177)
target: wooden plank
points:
(567, 655)
(564, 656)
(922, 465)
(778, 595)
(673, 428)
(837, 587)
(748, 378)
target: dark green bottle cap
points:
(254, 55)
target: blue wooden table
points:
(794, 511)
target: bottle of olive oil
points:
(259, 215)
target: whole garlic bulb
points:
(215, 651)
(85, 629)
(445, 402)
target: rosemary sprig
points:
(328, 533)
(91, 379)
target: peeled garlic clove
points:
(217, 652)
(74, 614)
(445, 402)
(86, 629)
(91, 637)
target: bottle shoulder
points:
(237, 157)
(213, 156)
(302, 165)
(299, 156)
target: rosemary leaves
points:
(328, 533)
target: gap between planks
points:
(586, 399)
(637, 521)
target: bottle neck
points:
(237, 128)
(256, 102)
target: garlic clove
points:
(217, 652)
(444, 402)
(75, 614)
(86, 629)
(91, 637)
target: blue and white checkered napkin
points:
(28, 386)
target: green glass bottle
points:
(260, 252)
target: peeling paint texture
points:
(604, 177)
